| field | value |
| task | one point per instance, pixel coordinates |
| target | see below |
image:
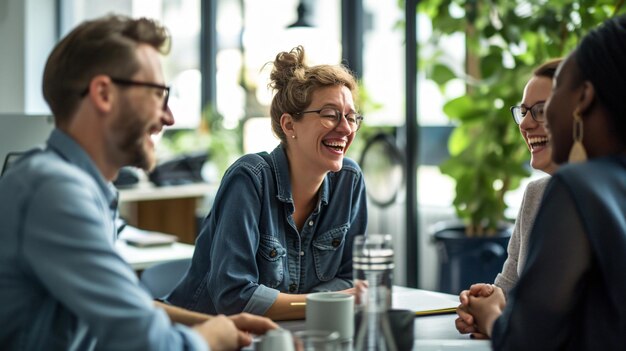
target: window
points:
(181, 66)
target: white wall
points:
(390, 220)
(40, 36)
(11, 56)
(27, 34)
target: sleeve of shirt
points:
(508, 277)
(543, 304)
(358, 226)
(234, 275)
(68, 248)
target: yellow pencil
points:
(435, 312)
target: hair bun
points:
(287, 66)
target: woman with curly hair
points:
(283, 223)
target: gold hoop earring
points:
(578, 152)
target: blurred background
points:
(437, 79)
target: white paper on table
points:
(145, 238)
(424, 301)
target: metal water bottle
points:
(373, 276)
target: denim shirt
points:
(249, 249)
(62, 284)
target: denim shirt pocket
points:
(328, 251)
(270, 261)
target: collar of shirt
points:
(280, 164)
(71, 151)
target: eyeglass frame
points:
(130, 82)
(358, 119)
(528, 109)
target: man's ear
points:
(287, 124)
(101, 93)
(587, 98)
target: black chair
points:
(162, 278)
(9, 160)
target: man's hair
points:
(294, 83)
(105, 45)
(601, 60)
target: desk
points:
(141, 258)
(431, 333)
(168, 209)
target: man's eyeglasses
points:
(330, 118)
(164, 90)
(536, 112)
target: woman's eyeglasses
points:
(330, 118)
(536, 112)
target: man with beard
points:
(62, 284)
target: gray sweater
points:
(518, 244)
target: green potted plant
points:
(504, 41)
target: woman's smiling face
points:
(321, 147)
(535, 135)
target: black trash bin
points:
(464, 260)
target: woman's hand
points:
(359, 291)
(486, 309)
(465, 322)
(349, 291)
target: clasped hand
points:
(480, 306)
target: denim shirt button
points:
(273, 253)
(311, 223)
(292, 288)
(336, 242)
(301, 253)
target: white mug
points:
(331, 311)
(277, 339)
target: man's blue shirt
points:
(249, 248)
(62, 284)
